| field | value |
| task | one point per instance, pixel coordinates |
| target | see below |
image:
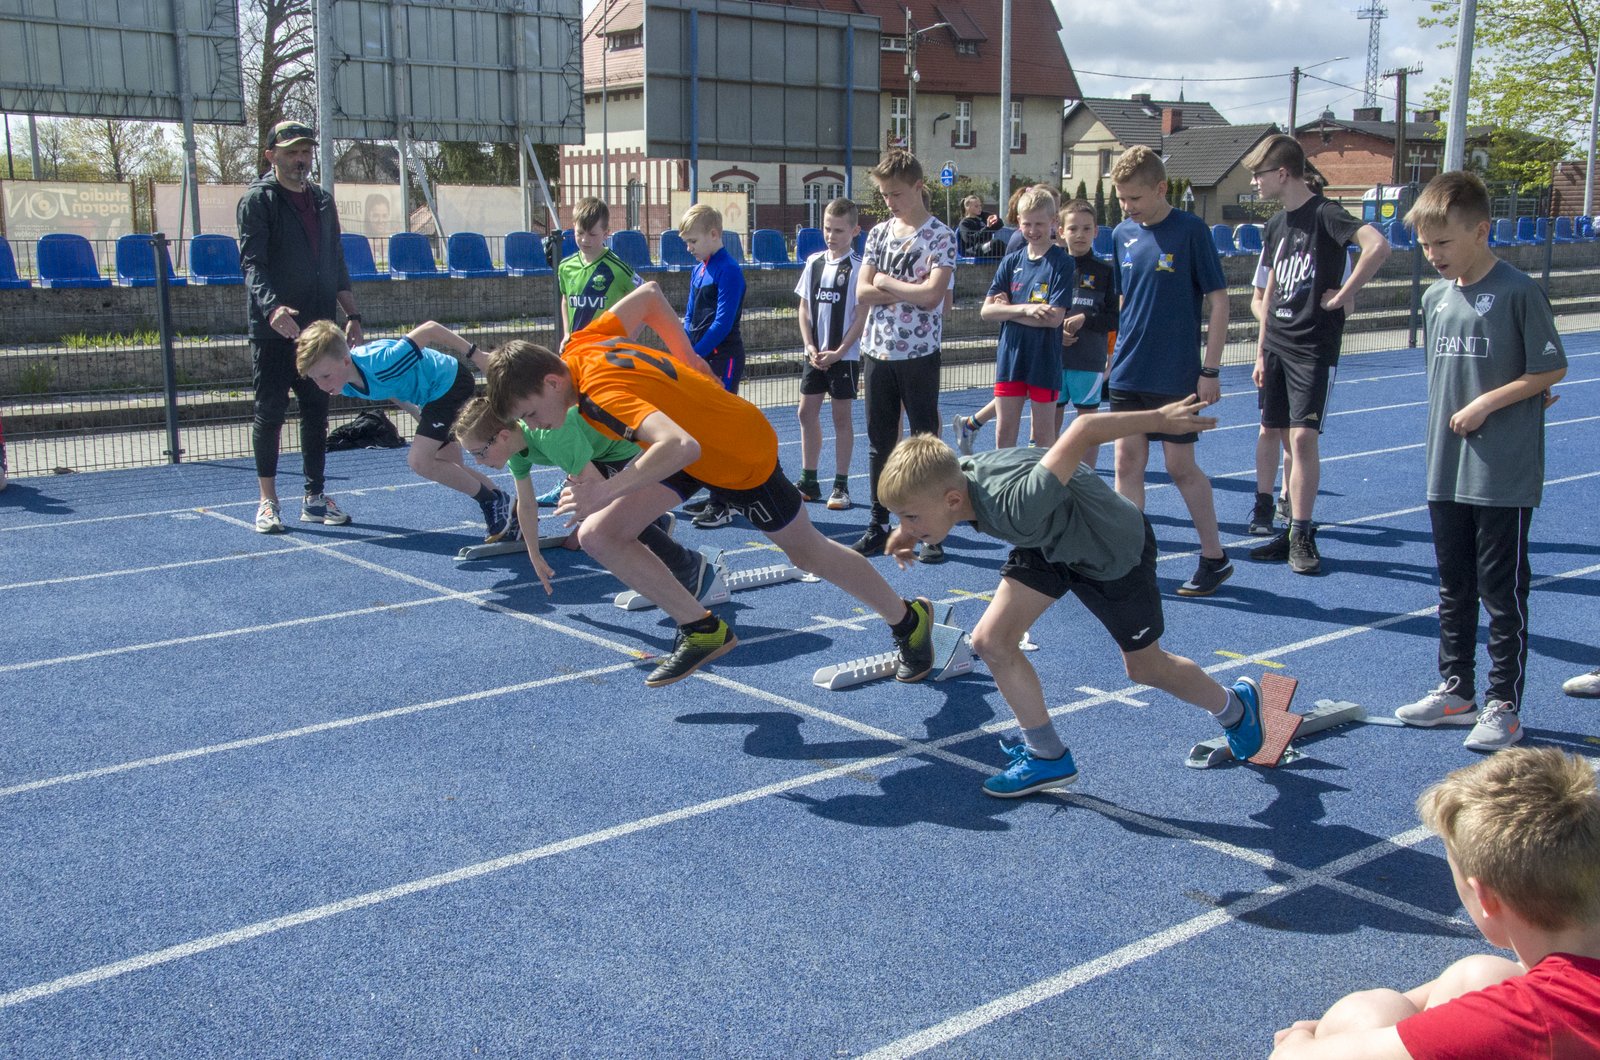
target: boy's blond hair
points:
(1139, 164)
(842, 207)
(517, 369)
(700, 218)
(1072, 206)
(1526, 822)
(477, 423)
(589, 212)
(1034, 199)
(919, 466)
(1278, 151)
(319, 339)
(1454, 196)
(897, 165)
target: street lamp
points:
(912, 77)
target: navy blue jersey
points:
(1164, 272)
(716, 298)
(1094, 295)
(1026, 353)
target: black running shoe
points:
(1303, 555)
(874, 541)
(1208, 575)
(931, 554)
(810, 490)
(1261, 518)
(916, 647)
(1274, 551)
(713, 515)
(692, 651)
(694, 508)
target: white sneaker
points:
(267, 519)
(321, 509)
(1440, 707)
(1584, 686)
(1498, 727)
(964, 434)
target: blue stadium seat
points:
(466, 255)
(411, 256)
(1247, 238)
(214, 260)
(1104, 243)
(1503, 233)
(1584, 227)
(770, 250)
(675, 257)
(1399, 234)
(1222, 239)
(1003, 236)
(358, 258)
(569, 243)
(860, 242)
(807, 242)
(136, 263)
(9, 280)
(65, 259)
(633, 248)
(525, 255)
(733, 245)
(1526, 230)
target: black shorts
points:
(1128, 607)
(1295, 391)
(1144, 401)
(841, 380)
(770, 506)
(440, 414)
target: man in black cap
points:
(294, 274)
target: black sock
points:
(485, 497)
(704, 625)
(841, 482)
(904, 627)
(808, 476)
(1300, 526)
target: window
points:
(891, 44)
(748, 188)
(1016, 125)
(1066, 165)
(628, 38)
(963, 123)
(1106, 163)
(819, 193)
(966, 47)
(897, 118)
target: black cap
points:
(289, 133)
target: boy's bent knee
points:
(1366, 1010)
(1477, 972)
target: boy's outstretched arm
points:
(528, 518)
(434, 335)
(647, 306)
(667, 448)
(1086, 432)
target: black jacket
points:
(276, 257)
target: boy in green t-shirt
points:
(584, 454)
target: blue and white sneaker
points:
(1245, 735)
(552, 496)
(1027, 774)
(964, 432)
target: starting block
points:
(501, 548)
(1279, 726)
(952, 657)
(725, 582)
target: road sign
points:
(947, 175)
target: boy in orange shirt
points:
(694, 434)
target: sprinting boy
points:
(414, 375)
(1492, 350)
(830, 327)
(1069, 532)
(1167, 271)
(1521, 834)
(906, 275)
(1301, 296)
(1029, 296)
(716, 300)
(694, 434)
(584, 454)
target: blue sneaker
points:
(552, 496)
(1244, 736)
(1027, 774)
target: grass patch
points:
(35, 378)
(82, 340)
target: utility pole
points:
(1455, 133)
(1374, 13)
(911, 86)
(1005, 103)
(1294, 96)
(1594, 133)
(1400, 76)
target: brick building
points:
(1356, 154)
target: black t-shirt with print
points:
(1304, 249)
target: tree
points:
(1533, 65)
(225, 153)
(1082, 192)
(277, 53)
(1100, 215)
(1114, 211)
(121, 151)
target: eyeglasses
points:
(1258, 174)
(480, 452)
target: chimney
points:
(1171, 120)
(1368, 114)
(1427, 116)
(1141, 97)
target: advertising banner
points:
(38, 207)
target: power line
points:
(1196, 80)
(1409, 103)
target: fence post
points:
(1549, 252)
(169, 366)
(1415, 316)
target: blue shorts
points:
(1085, 390)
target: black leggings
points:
(275, 376)
(1483, 558)
(892, 385)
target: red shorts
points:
(1021, 389)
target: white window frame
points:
(819, 193)
(963, 123)
(887, 43)
(1016, 125)
(899, 117)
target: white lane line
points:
(306, 730)
(1060, 983)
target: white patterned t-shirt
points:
(900, 331)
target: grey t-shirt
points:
(1480, 338)
(1083, 523)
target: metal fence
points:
(88, 400)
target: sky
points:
(1197, 39)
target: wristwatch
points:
(1209, 373)
(353, 316)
